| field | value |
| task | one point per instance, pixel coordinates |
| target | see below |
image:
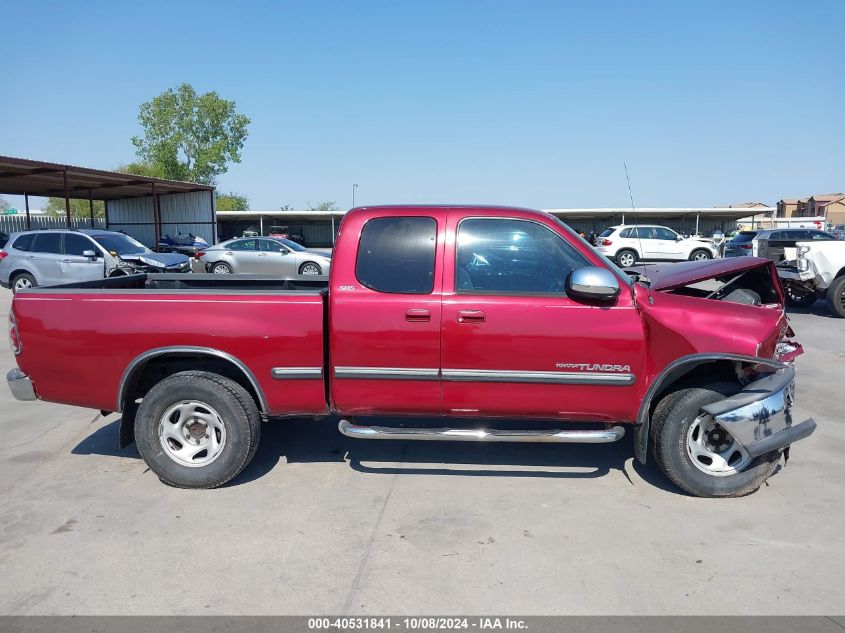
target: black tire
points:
(670, 424)
(836, 297)
(797, 296)
(700, 254)
(237, 410)
(624, 254)
(220, 265)
(309, 264)
(20, 277)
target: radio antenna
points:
(637, 225)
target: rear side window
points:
(76, 244)
(626, 233)
(24, 242)
(396, 255)
(48, 243)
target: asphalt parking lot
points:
(319, 523)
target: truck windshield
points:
(121, 244)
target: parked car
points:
(183, 243)
(264, 256)
(59, 256)
(770, 243)
(817, 272)
(627, 244)
(499, 314)
(838, 231)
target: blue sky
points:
(528, 103)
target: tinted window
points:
(626, 233)
(777, 235)
(75, 244)
(242, 245)
(821, 235)
(397, 255)
(609, 232)
(645, 233)
(271, 245)
(24, 242)
(664, 233)
(48, 243)
(514, 256)
(121, 244)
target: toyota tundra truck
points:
(495, 324)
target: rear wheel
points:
(221, 268)
(699, 255)
(626, 258)
(22, 281)
(836, 296)
(698, 454)
(310, 268)
(798, 296)
(197, 429)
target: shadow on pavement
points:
(305, 440)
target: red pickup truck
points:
(501, 322)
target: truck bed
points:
(267, 325)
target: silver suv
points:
(58, 256)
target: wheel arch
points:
(172, 359)
(675, 371)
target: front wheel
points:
(697, 453)
(699, 255)
(310, 268)
(626, 258)
(798, 296)
(197, 429)
(836, 296)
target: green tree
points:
(286, 207)
(78, 208)
(4, 204)
(231, 202)
(189, 136)
(141, 168)
(323, 206)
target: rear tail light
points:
(3, 255)
(199, 254)
(14, 335)
(606, 242)
(745, 246)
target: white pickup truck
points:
(817, 271)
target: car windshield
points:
(120, 244)
(290, 244)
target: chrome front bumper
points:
(760, 416)
(20, 385)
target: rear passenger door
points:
(45, 256)
(245, 254)
(384, 314)
(74, 265)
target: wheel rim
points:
(699, 256)
(626, 259)
(713, 450)
(192, 433)
(310, 269)
(22, 283)
(220, 269)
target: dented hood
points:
(669, 275)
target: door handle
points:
(67, 261)
(30, 257)
(471, 316)
(262, 254)
(418, 315)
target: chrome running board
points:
(596, 436)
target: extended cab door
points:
(514, 344)
(384, 312)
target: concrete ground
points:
(323, 524)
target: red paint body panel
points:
(77, 344)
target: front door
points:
(275, 259)
(384, 312)
(668, 243)
(74, 265)
(514, 344)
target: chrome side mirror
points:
(89, 254)
(591, 282)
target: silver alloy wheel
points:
(699, 256)
(627, 259)
(192, 433)
(713, 450)
(310, 269)
(220, 269)
(22, 282)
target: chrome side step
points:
(597, 436)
